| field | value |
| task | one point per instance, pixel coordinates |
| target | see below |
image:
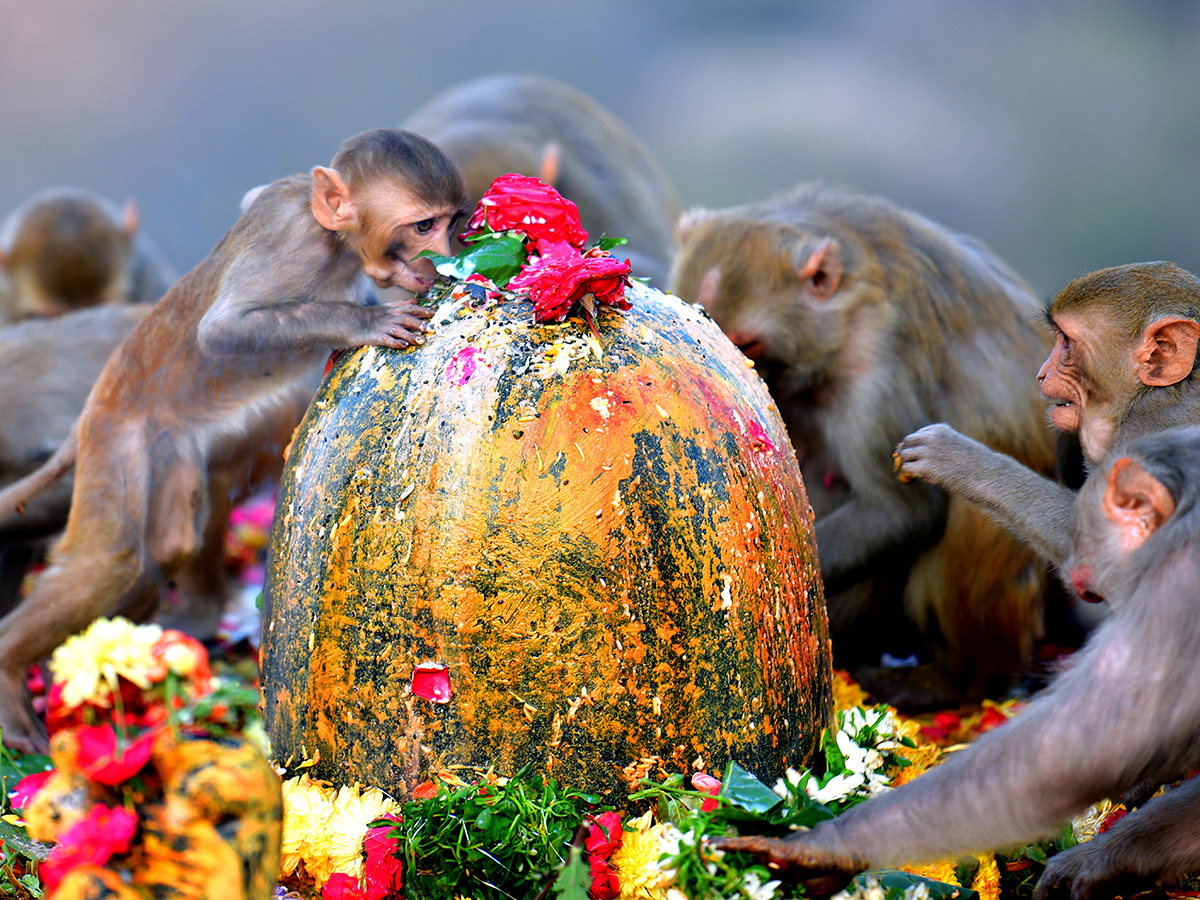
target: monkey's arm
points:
(1035, 508)
(1115, 718)
(241, 323)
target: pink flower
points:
(382, 869)
(702, 781)
(28, 787)
(529, 206)
(102, 761)
(91, 841)
(604, 835)
(431, 681)
(559, 275)
(341, 886)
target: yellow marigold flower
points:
(1087, 825)
(636, 862)
(846, 692)
(987, 879)
(307, 806)
(352, 812)
(942, 870)
(920, 758)
(89, 664)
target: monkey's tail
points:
(14, 497)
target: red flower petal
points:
(27, 788)
(432, 681)
(382, 869)
(102, 761)
(605, 884)
(528, 206)
(604, 835)
(341, 886)
(91, 841)
(702, 781)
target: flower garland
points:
(524, 235)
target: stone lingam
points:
(525, 543)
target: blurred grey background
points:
(1065, 135)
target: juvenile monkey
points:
(201, 398)
(867, 321)
(1124, 713)
(1123, 365)
(535, 126)
(68, 248)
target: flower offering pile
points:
(154, 780)
(526, 237)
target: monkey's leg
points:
(94, 570)
(1161, 841)
(201, 582)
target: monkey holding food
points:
(1123, 365)
(1123, 714)
(69, 248)
(867, 321)
(535, 126)
(200, 400)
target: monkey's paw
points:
(20, 726)
(1091, 871)
(936, 454)
(818, 870)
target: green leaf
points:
(574, 882)
(15, 766)
(742, 788)
(498, 257)
(607, 243)
(17, 838)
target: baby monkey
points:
(195, 407)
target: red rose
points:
(702, 781)
(103, 762)
(559, 275)
(91, 841)
(382, 869)
(604, 835)
(341, 886)
(529, 206)
(605, 884)
(27, 788)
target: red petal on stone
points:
(431, 681)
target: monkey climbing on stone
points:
(866, 322)
(1124, 713)
(200, 400)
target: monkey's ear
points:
(129, 217)
(690, 220)
(822, 271)
(548, 166)
(1135, 501)
(1168, 351)
(332, 202)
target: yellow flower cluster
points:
(324, 828)
(89, 664)
(636, 861)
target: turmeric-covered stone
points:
(527, 543)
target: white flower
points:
(918, 891)
(793, 778)
(868, 889)
(839, 787)
(754, 889)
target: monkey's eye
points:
(424, 226)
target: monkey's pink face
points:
(1064, 378)
(391, 240)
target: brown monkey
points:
(1125, 712)
(539, 127)
(67, 248)
(47, 368)
(1123, 365)
(867, 321)
(200, 400)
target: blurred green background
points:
(1065, 135)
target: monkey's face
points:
(1069, 378)
(393, 233)
(1114, 515)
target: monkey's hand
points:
(799, 859)
(1091, 870)
(938, 455)
(398, 324)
